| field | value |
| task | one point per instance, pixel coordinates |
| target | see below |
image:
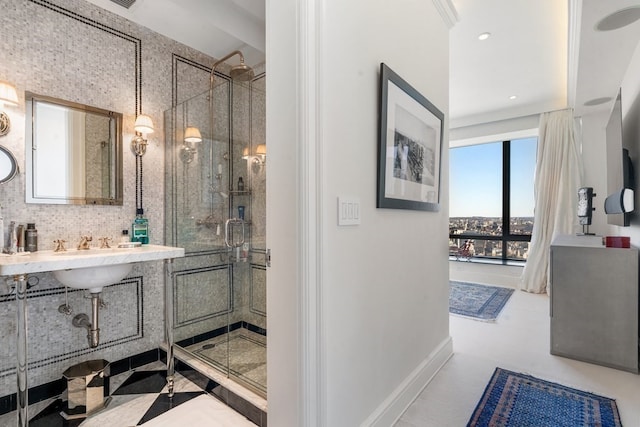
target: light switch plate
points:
(348, 211)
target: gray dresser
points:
(594, 302)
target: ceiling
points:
(604, 56)
(215, 27)
(546, 53)
(525, 56)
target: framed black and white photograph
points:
(410, 146)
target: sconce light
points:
(8, 96)
(261, 154)
(192, 135)
(188, 151)
(143, 126)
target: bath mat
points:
(517, 400)
(480, 302)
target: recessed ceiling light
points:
(484, 36)
(597, 101)
(512, 97)
(619, 19)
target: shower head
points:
(241, 72)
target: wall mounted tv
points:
(620, 174)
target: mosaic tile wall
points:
(67, 49)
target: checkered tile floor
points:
(141, 397)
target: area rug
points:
(480, 302)
(517, 400)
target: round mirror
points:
(8, 165)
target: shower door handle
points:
(228, 237)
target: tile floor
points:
(245, 354)
(140, 398)
(518, 341)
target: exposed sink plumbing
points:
(82, 321)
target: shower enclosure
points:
(215, 209)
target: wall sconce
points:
(9, 97)
(143, 126)
(259, 158)
(188, 151)
(261, 154)
(192, 135)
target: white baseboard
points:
(403, 396)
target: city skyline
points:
(476, 228)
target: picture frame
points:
(409, 146)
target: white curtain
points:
(558, 177)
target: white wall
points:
(594, 151)
(385, 283)
(631, 134)
(288, 401)
(371, 301)
(594, 154)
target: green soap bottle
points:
(140, 228)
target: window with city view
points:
(491, 199)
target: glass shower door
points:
(197, 181)
(220, 286)
(247, 343)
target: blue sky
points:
(476, 179)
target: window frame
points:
(506, 236)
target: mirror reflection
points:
(8, 165)
(74, 153)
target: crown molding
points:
(447, 11)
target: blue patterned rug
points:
(518, 400)
(477, 301)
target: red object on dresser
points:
(617, 241)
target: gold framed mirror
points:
(73, 153)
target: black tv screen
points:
(619, 167)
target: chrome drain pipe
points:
(82, 321)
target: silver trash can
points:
(87, 388)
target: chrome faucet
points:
(84, 243)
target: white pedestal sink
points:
(88, 269)
(93, 278)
